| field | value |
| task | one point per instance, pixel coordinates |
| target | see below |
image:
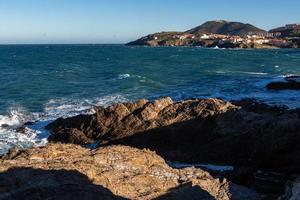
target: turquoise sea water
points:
(43, 82)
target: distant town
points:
(223, 34)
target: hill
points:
(287, 31)
(226, 28)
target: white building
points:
(204, 37)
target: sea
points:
(40, 83)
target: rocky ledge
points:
(60, 171)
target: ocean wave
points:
(123, 76)
(14, 118)
(141, 79)
(255, 73)
(10, 137)
(64, 107)
(238, 72)
(34, 133)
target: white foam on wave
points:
(35, 133)
(14, 118)
(141, 79)
(70, 107)
(255, 73)
(9, 137)
(124, 76)
(238, 72)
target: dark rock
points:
(21, 129)
(292, 191)
(29, 183)
(126, 119)
(29, 123)
(4, 126)
(290, 83)
(270, 182)
(73, 136)
(252, 105)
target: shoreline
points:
(224, 124)
(36, 127)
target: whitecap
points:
(64, 107)
(9, 137)
(124, 76)
(14, 118)
(255, 73)
(35, 134)
(220, 72)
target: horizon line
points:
(6, 44)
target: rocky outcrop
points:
(284, 86)
(65, 171)
(247, 134)
(207, 130)
(289, 83)
(127, 119)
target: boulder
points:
(65, 171)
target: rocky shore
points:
(132, 142)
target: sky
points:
(120, 21)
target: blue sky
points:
(119, 21)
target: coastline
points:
(248, 145)
(179, 132)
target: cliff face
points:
(60, 171)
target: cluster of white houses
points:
(262, 38)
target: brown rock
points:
(251, 134)
(64, 171)
(125, 119)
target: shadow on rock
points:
(31, 184)
(186, 191)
